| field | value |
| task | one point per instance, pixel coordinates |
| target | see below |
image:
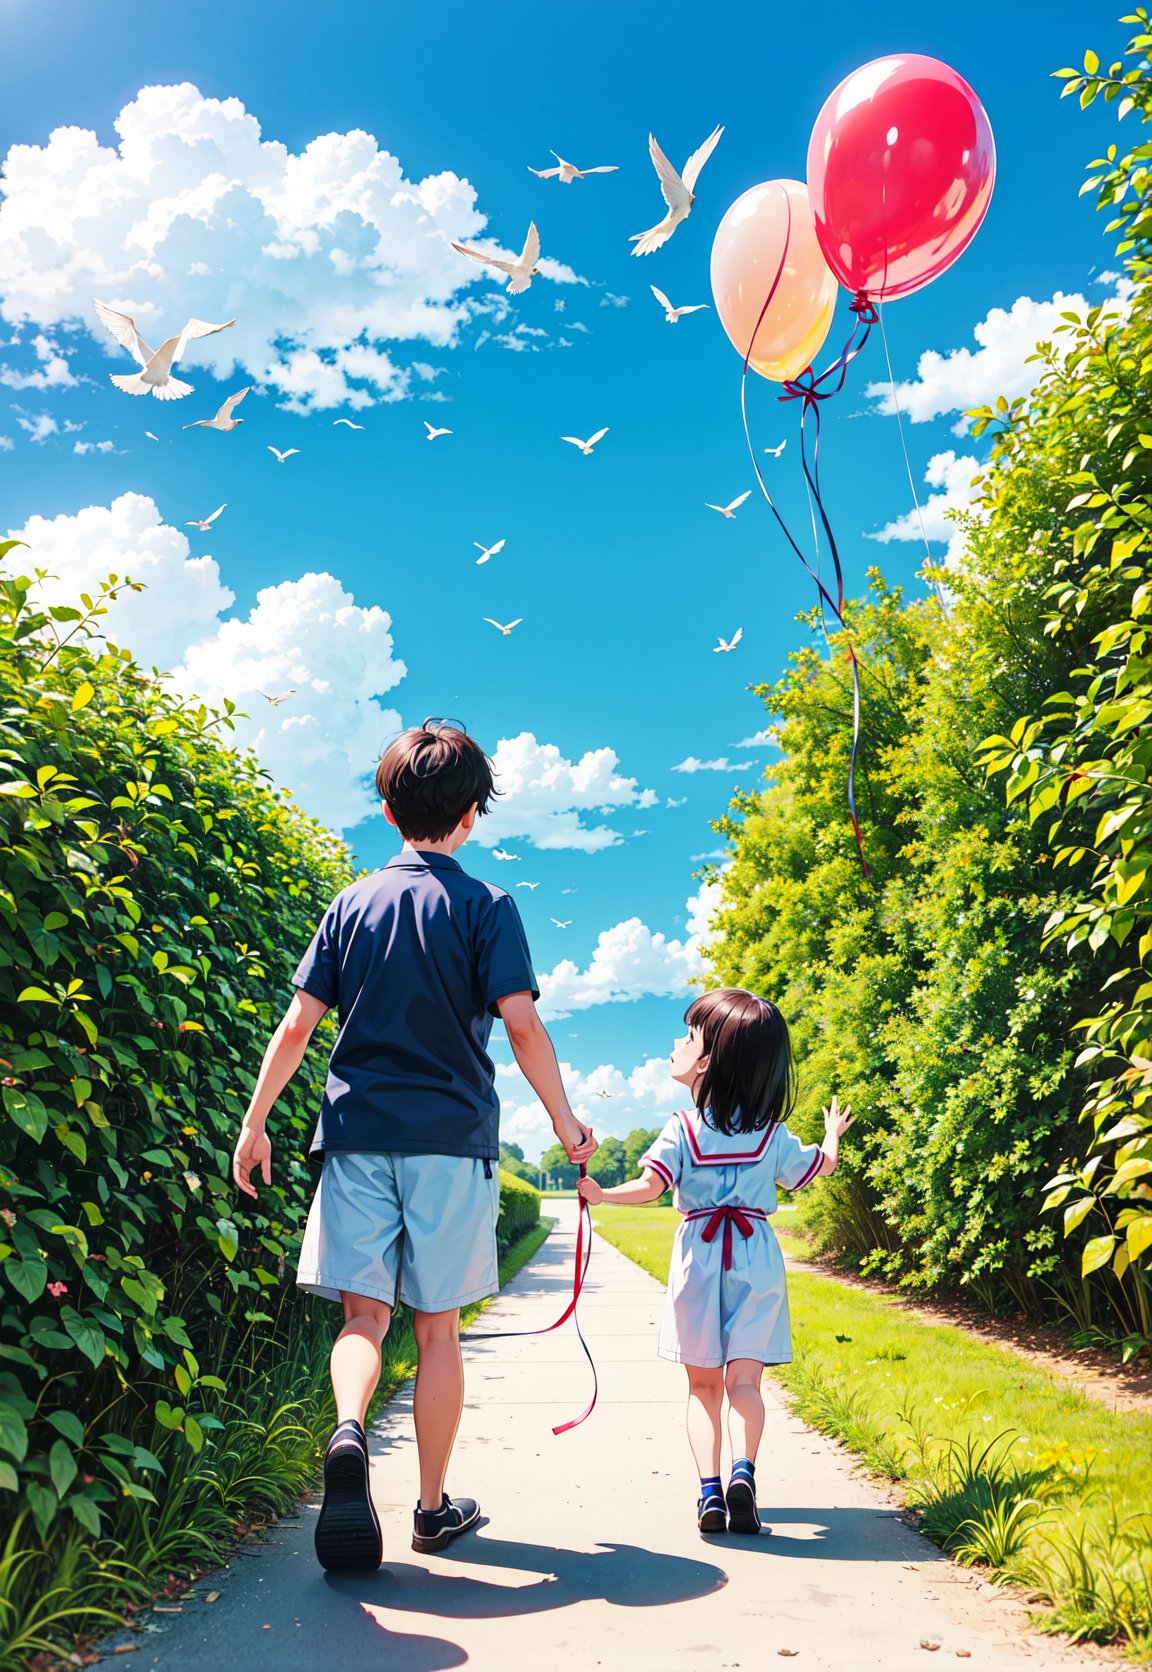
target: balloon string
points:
(939, 590)
(811, 389)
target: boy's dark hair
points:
(430, 776)
(749, 1081)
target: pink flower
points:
(57, 1289)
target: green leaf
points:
(25, 1110)
(62, 1466)
(8, 1478)
(36, 995)
(1139, 1236)
(193, 1433)
(169, 1416)
(228, 1238)
(13, 1432)
(86, 1512)
(1077, 1213)
(1097, 1253)
(88, 1336)
(28, 1277)
(66, 1423)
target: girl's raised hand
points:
(590, 1191)
(837, 1118)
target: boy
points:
(419, 957)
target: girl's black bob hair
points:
(749, 1083)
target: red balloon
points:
(901, 165)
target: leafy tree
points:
(510, 1152)
(607, 1165)
(637, 1141)
(561, 1173)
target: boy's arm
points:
(649, 1187)
(536, 1057)
(282, 1058)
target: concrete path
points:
(588, 1555)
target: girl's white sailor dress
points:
(726, 1294)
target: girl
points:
(726, 1309)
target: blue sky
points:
(623, 579)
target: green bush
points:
(155, 894)
(519, 1209)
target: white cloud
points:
(645, 1096)
(6, 444)
(53, 372)
(325, 255)
(674, 801)
(963, 378)
(82, 447)
(543, 796)
(611, 300)
(691, 763)
(40, 425)
(716, 853)
(632, 961)
(952, 476)
(770, 735)
(307, 633)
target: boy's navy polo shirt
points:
(414, 957)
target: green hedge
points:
(519, 1209)
(156, 892)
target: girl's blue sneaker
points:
(710, 1513)
(743, 1516)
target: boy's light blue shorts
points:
(418, 1228)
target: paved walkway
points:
(589, 1555)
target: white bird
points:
(567, 172)
(150, 436)
(672, 314)
(500, 853)
(488, 551)
(503, 629)
(280, 457)
(567, 924)
(223, 419)
(776, 451)
(208, 521)
(155, 374)
(433, 432)
(277, 700)
(732, 642)
(586, 446)
(677, 190)
(527, 885)
(729, 511)
(605, 1094)
(522, 271)
(347, 421)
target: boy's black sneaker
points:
(347, 1530)
(710, 1514)
(743, 1516)
(433, 1528)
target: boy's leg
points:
(743, 1377)
(705, 1397)
(438, 1399)
(356, 1357)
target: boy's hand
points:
(253, 1149)
(580, 1145)
(838, 1120)
(590, 1190)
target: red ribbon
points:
(741, 1218)
(583, 1255)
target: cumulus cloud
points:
(952, 477)
(963, 378)
(308, 634)
(692, 763)
(327, 256)
(544, 796)
(611, 300)
(645, 1096)
(632, 961)
(6, 444)
(82, 447)
(770, 735)
(52, 372)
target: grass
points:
(53, 1600)
(1006, 1467)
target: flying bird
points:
(776, 451)
(499, 853)
(522, 271)
(567, 172)
(347, 421)
(223, 419)
(678, 192)
(729, 511)
(527, 885)
(208, 521)
(605, 1094)
(155, 374)
(488, 551)
(277, 700)
(503, 629)
(587, 446)
(433, 432)
(672, 314)
(567, 924)
(732, 642)
(280, 457)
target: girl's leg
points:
(742, 1378)
(705, 1398)
(355, 1361)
